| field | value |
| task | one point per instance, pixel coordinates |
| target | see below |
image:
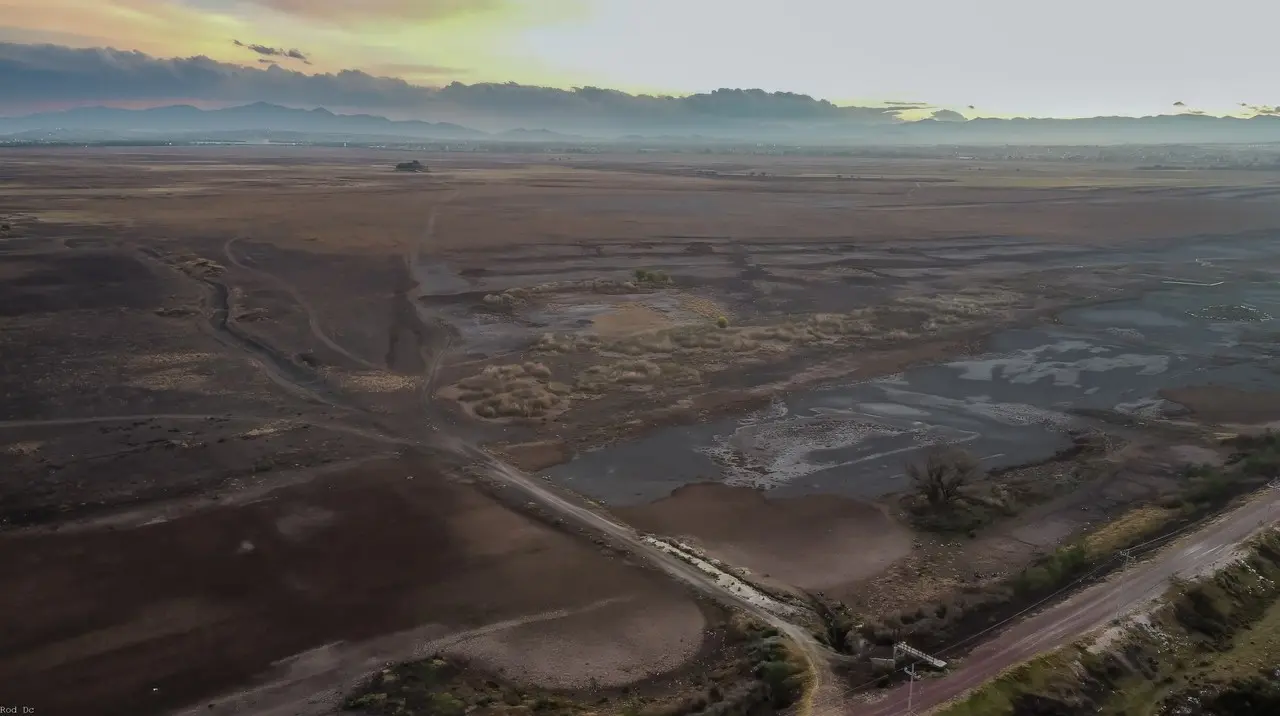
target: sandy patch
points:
(619, 643)
(379, 382)
(628, 318)
(167, 360)
(1221, 404)
(701, 306)
(170, 379)
(812, 542)
(170, 371)
(538, 455)
(26, 448)
(266, 430)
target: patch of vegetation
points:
(517, 390)
(411, 166)
(758, 675)
(514, 298)
(199, 267)
(1212, 649)
(639, 372)
(176, 311)
(839, 625)
(652, 278)
(1127, 529)
(953, 494)
(1053, 571)
(943, 499)
(1203, 493)
(1257, 455)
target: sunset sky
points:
(1085, 57)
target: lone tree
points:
(944, 471)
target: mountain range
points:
(262, 120)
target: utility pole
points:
(899, 650)
(911, 688)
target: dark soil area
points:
(84, 280)
(51, 473)
(136, 621)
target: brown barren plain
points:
(223, 369)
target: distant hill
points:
(256, 117)
(262, 121)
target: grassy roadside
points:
(1202, 494)
(1213, 648)
(951, 626)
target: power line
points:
(1127, 554)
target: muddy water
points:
(1013, 405)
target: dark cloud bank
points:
(31, 75)
(273, 52)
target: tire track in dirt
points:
(320, 677)
(313, 318)
(334, 425)
(435, 338)
(497, 471)
(219, 323)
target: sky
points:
(1002, 57)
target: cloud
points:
(373, 10)
(405, 69)
(1264, 109)
(1179, 103)
(41, 73)
(948, 115)
(36, 75)
(273, 51)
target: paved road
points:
(1198, 553)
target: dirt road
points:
(537, 492)
(313, 317)
(1195, 554)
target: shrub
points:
(1054, 571)
(944, 471)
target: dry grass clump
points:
(719, 336)
(504, 300)
(602, 378)
(912, 317)
(518, 390)
(198, 267)
(645, 277)
(375, 381)
(566, 343)
(964, 305)
(515, 297)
